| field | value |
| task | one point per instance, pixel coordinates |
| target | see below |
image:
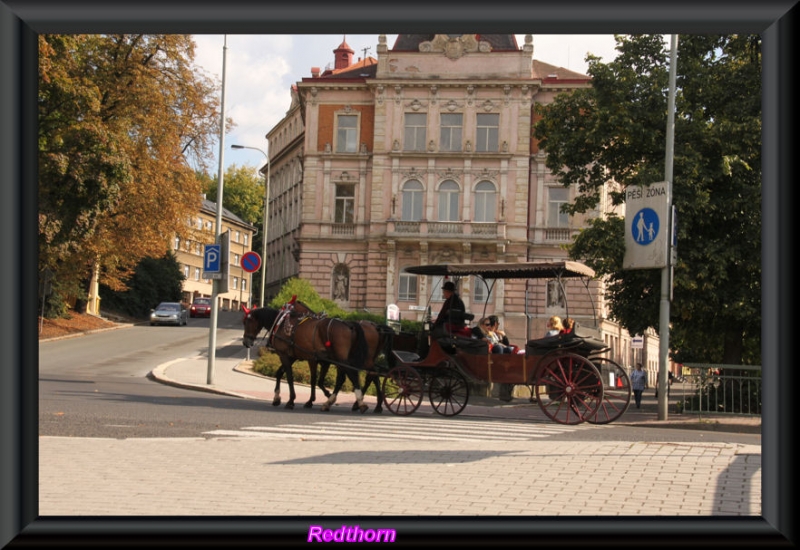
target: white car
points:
(169, 313)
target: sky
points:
(260, 70)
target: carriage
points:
(567, 374)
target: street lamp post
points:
(266, 211)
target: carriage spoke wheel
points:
(448, 391)
(402, 390)
(568, 388)
(616, 391)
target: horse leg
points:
(375, 379)
(323, 373)
(355, 379)
(276, 399)
(312, 367)
(340, 374)
(290, 382)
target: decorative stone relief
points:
(452, 105)
(396, 145)
(487, 105)
(416, 105)
(454, 46)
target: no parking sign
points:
(251, 261)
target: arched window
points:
(449, 193)
(412, 201)
(485, 202)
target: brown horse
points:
(379, 341)
(297, 333)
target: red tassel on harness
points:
(328, 344)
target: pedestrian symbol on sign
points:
(645, 226)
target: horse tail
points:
(358, 352)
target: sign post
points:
(647, 227)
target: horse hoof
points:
(308, 404)
(290, 406)
(354, 407)
(363, 408)
(325, 408)
(377, 410)
(276, 402)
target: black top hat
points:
(449, 285)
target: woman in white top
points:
(554, 326)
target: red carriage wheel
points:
(402, 390)
(616, 391)
(448, 391)
(568, 388)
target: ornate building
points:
(421, 156)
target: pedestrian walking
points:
(638, 384)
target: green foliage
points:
(154, 281)
(242, 193)
(616, 132)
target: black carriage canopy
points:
(519, 270)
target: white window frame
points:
(415, 131)
(344, 210)
(346, 137)
(450, 133)
(487, 132)
(556, 196)
(449, 200)
(485, 202)
(407, 287)
(412, 205)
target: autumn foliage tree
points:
(616, 132)
(120, 117)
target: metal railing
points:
(719, 389)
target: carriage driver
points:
(451, 316)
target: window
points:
(408, 288)
(196, 273)
(415, 132)
(488, 128)
(485, 202)
(235, 259)
(346, 133)
(448, 201)
(344, 204)
(412, 201)
(480, 291)
(236, 236)
(235, 283)
(450, 132)
(186, 272)
(198, 249)
(199, 223)
(244, 284)
(556, 197)
(177, 243)
(246, 238)
(208, 225)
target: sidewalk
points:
(234, 376)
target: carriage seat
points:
(572, 342)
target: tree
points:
(119, 118)
(153, 281)
(615, 132)
(242, 192)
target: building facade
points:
(190, 252)
(425, 155)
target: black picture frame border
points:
(21, 21)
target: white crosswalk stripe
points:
(407, 428)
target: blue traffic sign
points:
(645, 226)
(212, 258)
(251, 261)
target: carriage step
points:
(406, 356)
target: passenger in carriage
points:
(569, 324)
(554, 326)
(486, 332)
